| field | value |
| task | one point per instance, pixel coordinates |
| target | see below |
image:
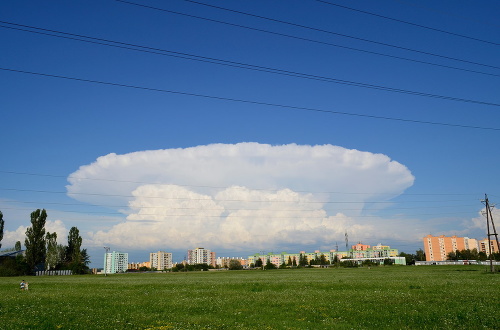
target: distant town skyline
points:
(254, 126)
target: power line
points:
(225, 187)
(297, 25)
(402, 21)
(227, 200)
(217, 61)
(230, 209)
(431, 9)
(256, 216)
(211, 60)
(220, 98)
(260, 68)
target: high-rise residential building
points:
(201, 256)
(437, 247)
(483, 246)
(115, 262)
(160, 260)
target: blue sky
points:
(241, 177)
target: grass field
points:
(394, 297)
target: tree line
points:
(42, 251)
(473, 254)
(321, 260)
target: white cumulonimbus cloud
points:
(237, 196)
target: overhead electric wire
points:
(208, 198)
(297, 25)
(225, 187)
(194, 57)
(401, 21)
(256, 217)
(441, 12)
(227, 209)
(266, 103)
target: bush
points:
(235, 264)
(388, 262)
(369, 263)
(13, 267)
(349, 264)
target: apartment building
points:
(437, 247)
(223, 262)
(358, 252)
(115, 262)
(492, 247)
(161, 260)
(201, 256)
(137, 265)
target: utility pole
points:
(489, 217)
(347, 242)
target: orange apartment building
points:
(437, 247)
(483, 246)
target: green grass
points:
(407, 297)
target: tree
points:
(179, 267)
(77, 259)
(235, 264)
(289, 263)
(466, 254)
(369, 263)
(52, 256)
(348, 263)
(322, 260)
(451, 256)
(470, 254)
(17, 247)
(294, 262)
(270, 265)
(410, 258)
(496, 256)
(302, 260)
(335, 260)
(35, 239)
(2, 222)
(314, 261)
(73, 253)
(61, 254)
(420, 255)
(258, 263)
(85, 258)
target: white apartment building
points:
(115, 262)
(160, 260)
(201, 256)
